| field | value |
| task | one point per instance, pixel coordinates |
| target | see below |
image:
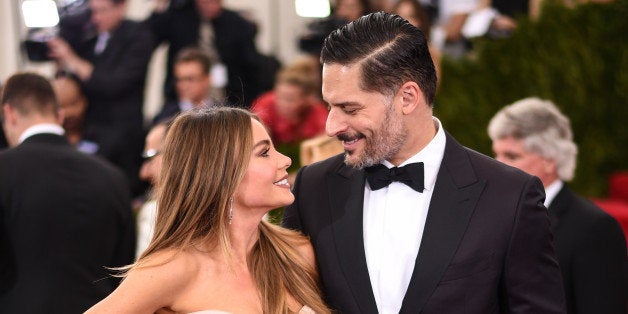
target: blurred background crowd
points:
(121, 68)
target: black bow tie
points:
(380, 176)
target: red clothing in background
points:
(283, 131)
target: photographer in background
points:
(112, 68)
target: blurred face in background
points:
(512, 152)
(107, 15)
(349, 9)
(407, 11)
(72, 103)
(151, 167)
(209, 9)
(192, 82)
(291, 101)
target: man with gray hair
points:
(534, 136)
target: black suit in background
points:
(64, 217)
(3, 140)
(591, 251)
(486, 245)
(234, 41)
(115, 94)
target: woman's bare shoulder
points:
(169, 264)
(154, 283)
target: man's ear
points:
(8, 114)
(411, 97)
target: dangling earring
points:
(230, 209)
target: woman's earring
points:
(230, 209)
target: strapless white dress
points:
(304, 310)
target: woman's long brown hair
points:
(205, 157)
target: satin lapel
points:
(456, 193)
(558, 207)
(346, 192)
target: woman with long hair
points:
(212, 252)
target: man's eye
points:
(349, 110)
(511, 156)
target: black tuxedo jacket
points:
(235, 43)
(115, 95)
(591, 251)
(64, 217)
(486, 246)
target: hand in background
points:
(68, 60)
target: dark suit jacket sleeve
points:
(124, 63)
(532, 282)
(158, 23)
(599, 280)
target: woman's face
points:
(265, 184)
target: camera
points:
(48, 19)
(36, 43)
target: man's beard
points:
(383, 144)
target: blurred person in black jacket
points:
(64, 216)
(112, 66)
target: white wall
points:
(9, 61)
(278, 24)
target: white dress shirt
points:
(146, 218)
(101, 42)
(41, 128)
(394, 218)
(551, 191)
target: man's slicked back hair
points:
(389, 50)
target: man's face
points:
(367, 123)
(209, 9)
(192, 83)
(106, 15)
(512, 152)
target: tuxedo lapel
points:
(346, 192)
(456, 193)
(558, 207)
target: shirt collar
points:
(431, 156)
(551, 191)
(41, 128)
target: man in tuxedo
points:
(408, 220)
(192, 82)
(64, 215)
(534, 136)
